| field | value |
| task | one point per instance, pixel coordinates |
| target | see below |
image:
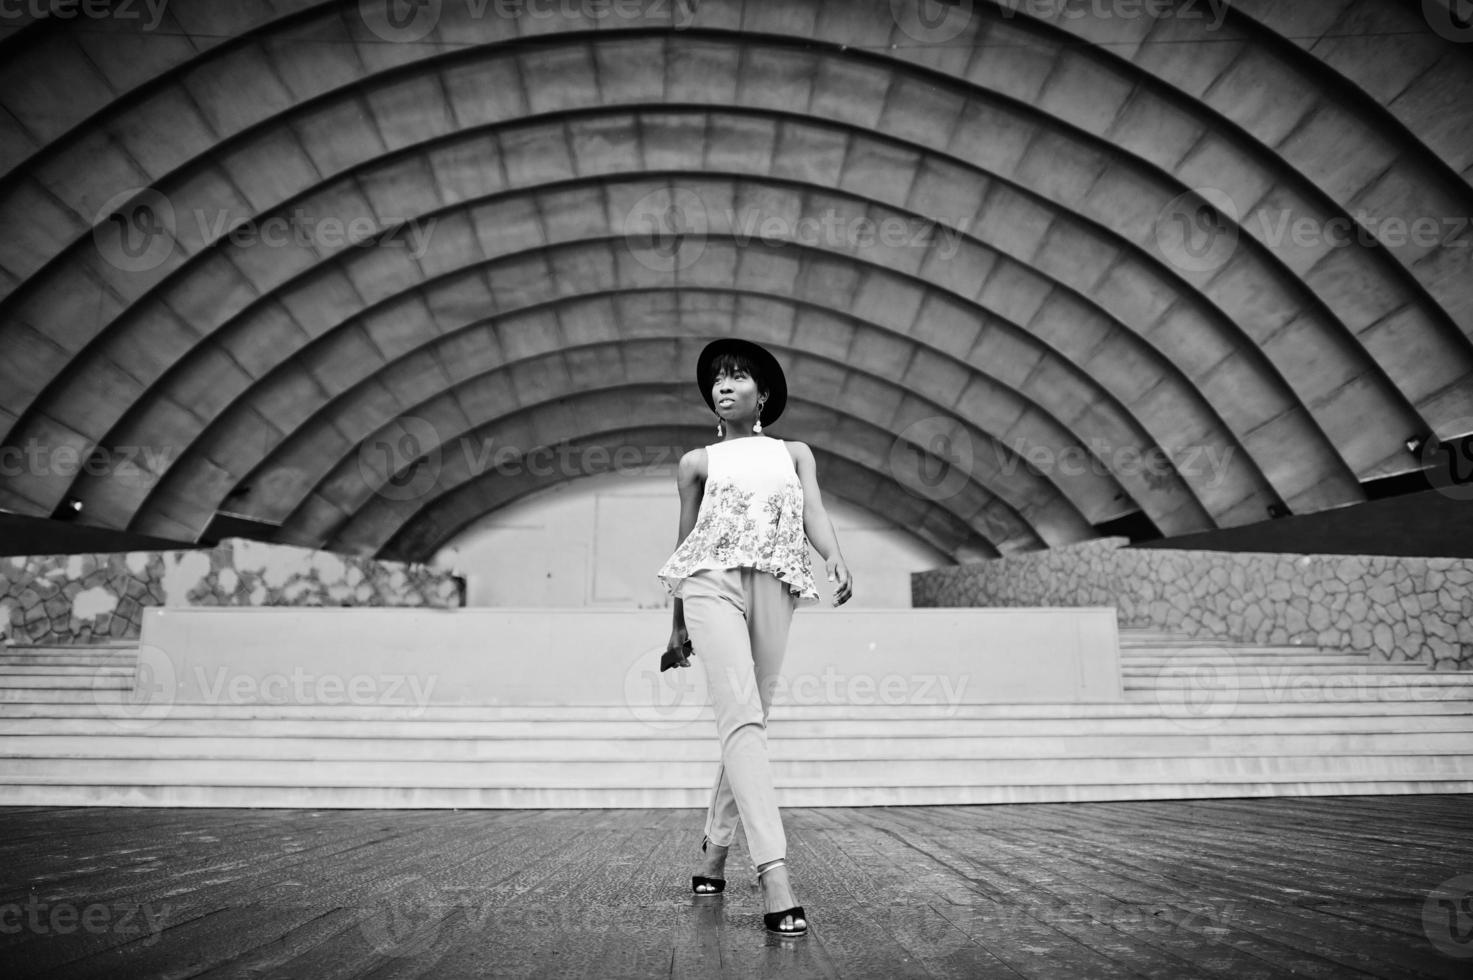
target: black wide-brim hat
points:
(772, 373)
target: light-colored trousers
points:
(737, 620)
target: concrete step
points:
(634, 774)
(795, 749)
(1276, 673)
(1208, 648)
(421, 797)
(78, 675)
(51, 670)
(1272, 676)
(1293, 694)
(1351, 661)
(64, 663)
(26, 648)
(61, 683)
(115, 691)
(122, 657)
(1147, 641)
(1152, 631)
(1143, 720)
(43, 704)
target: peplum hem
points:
(805, 592)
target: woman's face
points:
(735, 394)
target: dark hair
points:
(731, 362)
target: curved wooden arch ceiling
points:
(1045, 313)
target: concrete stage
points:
(1324, 887)
(530, 657)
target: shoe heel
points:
(716, 885)
(773, 920)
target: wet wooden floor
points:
(1317, 887)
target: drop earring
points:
(720, 429)
(757, 426)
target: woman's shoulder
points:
(796, 448)
(693, 464)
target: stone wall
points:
(1398, 609)
(65, 599)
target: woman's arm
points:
(690, 480)
(816, 523)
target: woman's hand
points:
(838, 571)
(678, 639)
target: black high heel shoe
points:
(701, 885)
(773, 920)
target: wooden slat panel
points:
(1316, 886)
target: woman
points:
(749, 505)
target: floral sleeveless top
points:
(751, 516)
